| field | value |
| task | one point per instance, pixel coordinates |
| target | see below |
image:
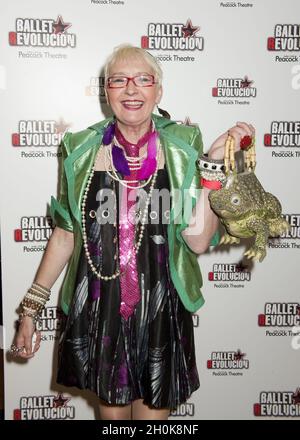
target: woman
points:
(131, 282)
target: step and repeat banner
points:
(223, 62)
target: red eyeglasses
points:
(118, 82)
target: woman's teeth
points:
(132, 104)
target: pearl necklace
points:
(114, 175)
(136, 245)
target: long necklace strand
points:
(136, 245)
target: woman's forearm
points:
(58, 252)
(202, 226)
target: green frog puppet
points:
(243, 206)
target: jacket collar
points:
(180, 160)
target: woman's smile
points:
(132, 105)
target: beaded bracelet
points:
(34, 302)
(35, 318)
(212, 172)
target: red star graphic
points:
(188, 122)
(189, 30)
(240, 267)
(61, 126)
(238, 355)
(246, 82)
(60, 401)
(296, 396)
(59, 26)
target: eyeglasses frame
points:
(130, 78)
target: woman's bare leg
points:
(140, 411)
(114, 412)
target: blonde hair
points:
(127, 51)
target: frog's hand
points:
(261, 230)
(229, 239)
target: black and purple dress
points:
(151, 355)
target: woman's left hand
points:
(240, 130)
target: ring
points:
(14, 350)
(246, 142)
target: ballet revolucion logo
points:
(96, 88)
(229, 276)
(286, 38)
(41, 32)
(229, 272)
(34, 229)
(184, 410)
(234, 88)
(278, 404)
(172, 36)
(294, 221)
(44, 408)
(280, 315)
(288, 239)
(49, 321)
(228, 360)
(39, 133)
(282, 136)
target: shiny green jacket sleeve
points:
(59, 208)
(196, 143)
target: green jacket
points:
(182, 145)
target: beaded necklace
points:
(115, 177)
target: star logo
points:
(59, 26)
(240, 267)
(60, 401)
(188, 122)
(61, 126)
(246, 82)
(296, 396)
(189, 30)
(238, 355)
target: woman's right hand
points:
(24, 337)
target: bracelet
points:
(35, 318)
(211, 184)
(212, 172)
(41, 288)
(34, 302)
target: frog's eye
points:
(235, 200)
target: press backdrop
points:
(223, 62)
